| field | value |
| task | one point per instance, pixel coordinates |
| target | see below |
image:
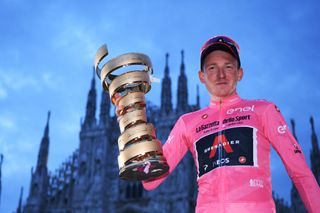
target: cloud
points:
(3, 92)
(74, 37)
(50, 81)
(18, 81)
(17, 154)
(6, 123)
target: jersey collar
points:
(225, 101)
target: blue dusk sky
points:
(46, 59)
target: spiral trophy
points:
(140, 152)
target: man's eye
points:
(230, 66)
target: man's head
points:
(220, 67)
(222, 43)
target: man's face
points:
(220, 74)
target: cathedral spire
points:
(90, 117)
(166, 69)
(296, 202)
(315, 154)
(44, 147)
(312, 127)
(182, 67)
(37, 199)
(19, 209)
(182, 103)
(198, 97)
(293, 125)
(166, 96)
(104, 108)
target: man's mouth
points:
(221, 83)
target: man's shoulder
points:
(194, 114)
(259, 105)
(258, 102)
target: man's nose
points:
(221, 73)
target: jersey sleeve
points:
(174, 150)
(290, 152)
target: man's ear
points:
(201, 76)
(240, 74)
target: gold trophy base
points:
(150, 168)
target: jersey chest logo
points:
(229, 147)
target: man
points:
(230, 142)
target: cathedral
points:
(88, 181)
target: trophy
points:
(140, 152)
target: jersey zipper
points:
(220, 134)
(220, 156)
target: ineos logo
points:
(240, 109)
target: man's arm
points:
(290, 152)
(174, 150)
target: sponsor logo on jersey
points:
(221, 161)
(282, 129)
(296, 149)
(207, 126)
(230, 147)
(205, 116)
(256, 183)
(242, 159)
(240, 109)
(236, 119)
(218, 142)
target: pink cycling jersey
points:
(230, 143)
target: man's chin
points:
(223, 94)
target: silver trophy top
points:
(121, 61)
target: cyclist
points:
(230, 142)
